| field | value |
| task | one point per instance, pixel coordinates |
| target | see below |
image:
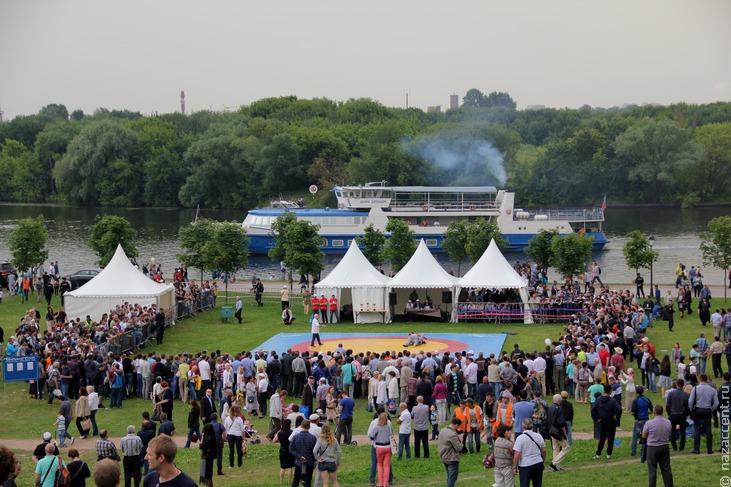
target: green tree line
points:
(677, 154)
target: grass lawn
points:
(21, 417)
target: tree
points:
(86, 168)
(193, 238)
(656, 151)
(401, 245)
(474, 98)
(297, 244)
(227, 249)
(716, 140)
(637, 252)
(27, 243)
(109, 231)
(479, 234)
(279, 165)
(716, 246)
(455, 242)
(373, 242)
(571, 252)
(540, 249)
(500, 99)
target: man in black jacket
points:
(606, 412)
(676, 405)
(556, 426)
(208, 406)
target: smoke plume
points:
(457, 158)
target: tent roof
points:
(120, 278)
(353, 270)
(422, 271)
(492, 271)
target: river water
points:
(676, 234)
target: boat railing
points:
(571, 214)
(443, 206)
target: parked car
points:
(79, 278)
(6, 268)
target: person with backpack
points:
(47, 468)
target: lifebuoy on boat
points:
(425, 208)
(424, 223)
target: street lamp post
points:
(651, 240)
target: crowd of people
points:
(514, 403)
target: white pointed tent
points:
(493, 271)
(422, 271)
(120, 281)
(355, 281)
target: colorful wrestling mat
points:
(379, 342)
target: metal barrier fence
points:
(186, 308)
(139, 337)
(514, 312)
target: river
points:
(676, 233)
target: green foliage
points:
(637, 251)
(86, 172)
(571, 252)
(297, 244)
(400, 246)
(455, 242)
(658, 150)
(373, 242)
(716, 245)
(479, 234)
(540, 248)
(27, 243)
(227, 249)
(678, 153)
(474, 98)
(108, 232)
(15, 163)
(193, 238)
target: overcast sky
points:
(138, 55)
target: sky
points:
(139, 54)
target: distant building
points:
(535, 107)
(453, 101)
(436, 109)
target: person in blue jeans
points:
(641, 410)
(117, 388)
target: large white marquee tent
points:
(120, 281)
(423, 272)
(493, 271)
(355, 281)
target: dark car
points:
(6, 268)
(79, 278)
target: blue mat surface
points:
(378, 342)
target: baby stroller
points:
(251, 433)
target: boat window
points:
(337, 243)
(338, 194)
(431, 242)
(350, 242)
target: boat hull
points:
(338, 244)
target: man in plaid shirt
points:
(105, 448)
(703, 346)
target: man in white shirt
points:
(470, 376)
(204, 369)
(315, 330)
(530, 453)
(404, 431)
(239, 307)
(540, 367)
